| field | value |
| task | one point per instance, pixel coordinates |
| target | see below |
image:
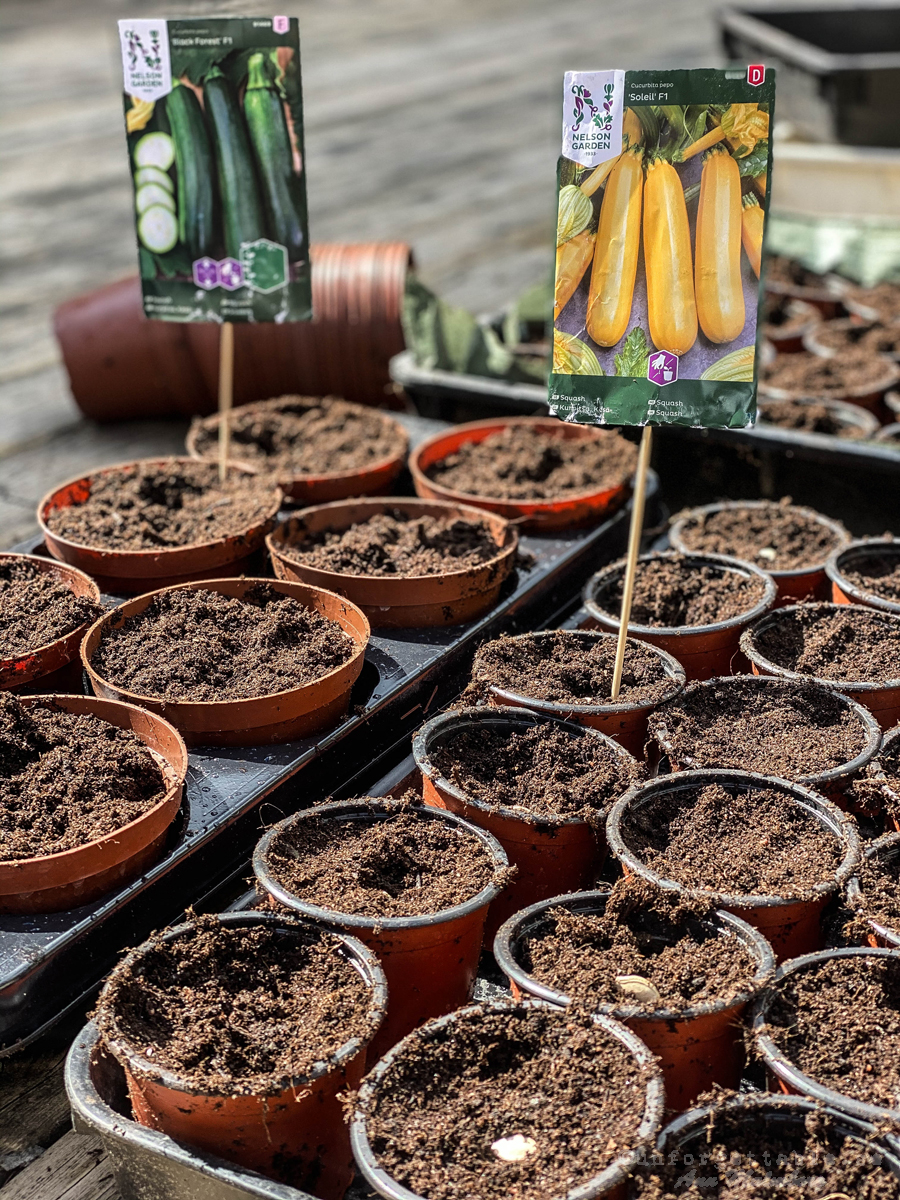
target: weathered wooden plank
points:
(74, 1168)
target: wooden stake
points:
(226, 392)
(634, 546)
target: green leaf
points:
(756, 162)
(176, 262)
(634, 357)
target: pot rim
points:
(786, 573)
(862, 548)
(598, 1185)
(783, 1068)
(724, 561)
(748, 646)
(891, 377)
(363, 960)
(889, 433)
(52, 566)
(868, 312)
(353, 810)
(519, 925)
(812, 336)
(841, 826)
(833, 289)
(888, 847)
(849, 415)
(446, 722)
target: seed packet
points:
(663, 187)
(214, 123)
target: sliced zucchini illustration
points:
(153, 175)
(158, 229)
(155, 150)
(150, 194)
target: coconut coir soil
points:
(667, 940)
(393, 543)
(806, 417)
(877, 789)
(807, 374)
(402, 866)
(780, 269)
(839, 1022)
(839, 642)
(302, 435)
(775, 537)
(66, 780)
(521, 463)
(36, 609)
(786, 728)
(884, 298)
(674, 592)
(201, 645)
(879, 575)
(564, 667)
(550, 1076)
(237, 1011)
(158, 507)
(545, 771)
(877, 339)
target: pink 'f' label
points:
(756, 74)
(281, 24)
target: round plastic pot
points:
(703, 650)
(857, 422)
(880, 697)
(843, 590)
(789, 339)
(828, 300)
(799, 583)
(791, 926)
(54, 882)
(886, 849)
(261, 720)
(814, 342)
(891, 794)
(55, 666)
(373, 480)
(127, 572)
(430, 961)
(410, 602)
(610, 1183)
(300, 1127)
(580, 508)
(868, 396)
(698, 1046)
(550, 856)
(889, 433)
(787, 1078)
(866, 312)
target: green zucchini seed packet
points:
(663, 188)
(214, 124)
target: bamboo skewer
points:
(634, 546)
(226, 393)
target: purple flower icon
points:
(662, 368)
(231, 274)
(206, 273)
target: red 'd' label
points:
(756, 74)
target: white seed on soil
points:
(636, 987)
(769, 553)
(515, 1148)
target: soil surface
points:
(402, 866)
(36, 609)
(879, 575)
(565, 668)
(739, 841)
(776, 537)
(66, 780)
(673, 592)
(201, 645)
(879, 882)
(521, 463)
(842, 335)
(833, 641)
(237, 1011)
(789, 728)
(840, 1024)
(544, 770)
(877, 790)
(392, 543)
(140, 507)
(806, 417)
(643, 931)
(808, 374)
(783, 317)
(884, 298)
(551, 1077)
(744, 1157)
(302, 435)
(780, 269)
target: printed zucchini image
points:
(659, 248)
(213, 114)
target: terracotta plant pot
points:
(56, 666)
(302, 1122)
(791, 926)
(262, 720)
(880, 697)
(703, 650)
(843, 590)
(609, 1184)
(788, 338)
(854, 423)
(698, 1046)
(409, 602)
(55, 882)
(869, 396)
(127, 572)
(373, 480)
(885, 849)
(798, 583)
(569, 511)
(549, 855)
(430, 962)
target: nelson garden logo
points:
(600, 118)
(152, 57)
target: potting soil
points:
(545, 770)
(776, 537)
(877, 790)
(834, 642)
(806, 417)
(839, 1022)
(522, 463)
(782, 318)
(553, 1078)
(883, 297)
(739, 841)
(404, 866)
(807, 374)
(879, 575)
(879, 882)
(877, 339)
(201, 645)
(780, 269)
(674, 592)
(150, 507)
(237, 1011)
(67, 780)
(36, 609)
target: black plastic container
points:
(887, 849)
